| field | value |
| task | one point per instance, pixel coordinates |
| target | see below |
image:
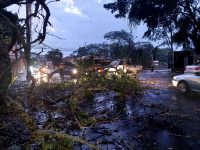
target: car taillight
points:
(125, 66)
(100, 70)
(197, 68)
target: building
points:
(18, 62)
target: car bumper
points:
(174, 83)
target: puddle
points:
(56, 115)
(60, 104)
(104, 101)
(163, 138)
(41, 118)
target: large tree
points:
(121, 43)
(100, 49)
(177, 19)
(55, 56)
(121, 37)
(11, 32)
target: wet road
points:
(162, 119)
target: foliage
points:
(180, 19)
(119, 82)
(12, 32)
(122, 37)
(35, 14)
(66, 140)
(121, 42)
(94, 49)
(137, 53)
(55, 56)
(120, 51)
(92, 83)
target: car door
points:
(120, 65)
(113, 66)
(195, 81)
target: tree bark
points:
(7, 40)
(5, 74)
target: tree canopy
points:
(179, 19)
(94, 49)
(122, 37)
(55, 56)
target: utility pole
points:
(28, 40)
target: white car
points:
(117, 65)
(187, 82)
(125, 67)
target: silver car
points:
(187, 82)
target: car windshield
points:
(114, 64)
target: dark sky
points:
(82, 22)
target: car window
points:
(114, 64)
(121, 63)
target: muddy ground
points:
(160, 119)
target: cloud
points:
(104, 1)
(70, 7)
(99, 1)
(49, 28)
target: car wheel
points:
(183, 87)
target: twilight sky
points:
(82, 21)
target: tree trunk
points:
(7, 40)
(5, 74)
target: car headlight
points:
(45, 79)
(175, 78)
(74, 71)
(100, 70)
(38, 75)
(31, 69)
(44, 70)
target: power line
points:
(45, 48)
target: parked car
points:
(187, 82)
(192, 68)
(125, 67)
(117, 65)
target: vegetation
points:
(177, 20)
(12, 32)
(55, 56)
(120, 83)
(137, 53)
(121, 37)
